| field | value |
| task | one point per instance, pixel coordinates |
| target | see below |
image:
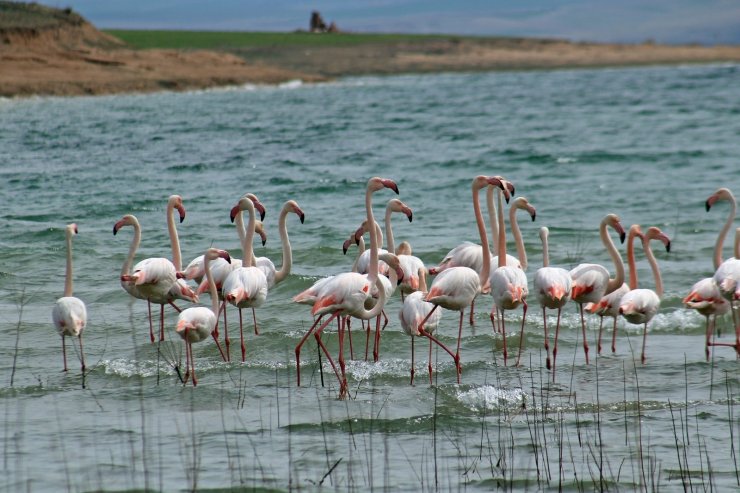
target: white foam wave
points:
(488, 397)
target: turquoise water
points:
(649, 144)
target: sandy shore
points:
(77, 60)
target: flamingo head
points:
(72, 229)
(395, 205)
(259, 228)
(257, 205)
(374, 184)
(293, 207)
(175, 201)
(654, 233)
(127, 220)
(393, 263)
(359, 232)
(347, 243)
(613, 221)
(404, 248)
(720, 194)
(523, 203)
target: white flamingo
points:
(639, 306)
(345, 294)
(413, 311)
(69, 313)
(509, 283)
(456, 287)
(245, 286)
(590, 282)
(552, 288)
(275, 276)
(196, 323)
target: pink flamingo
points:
(509, 283)
(705, 296)
(413, 311)
(590, 282)
(727, 279)
(552, 288)
(608, 305)
(456, 287)
(245, 286)
(469, 254)
(69, 313)
(196, 323)
(151, 279)
(345, 294)
(639, 306)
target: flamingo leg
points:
(555, 347)
(82, 355)
(376, 344)
(413, 370)
(241, 337)
(710, 330)
(457, 353)
(303, 340)
(598, 341)
(214, 334)
(151, 326)
(192, 364)
(614, 336)
(367, 337)
(173, 305)
(342, 364)
(254, 318)
(349, 336)
(429, 362)
(161, 322)
(317, 335)
(64, 353)
(187, 360)
(547, 338)
(583, 328)
(503, 331)
(644, 342)
(521, 333)
(472, 312)
(227, 341)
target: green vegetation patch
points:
(17, 15)
(230, 40)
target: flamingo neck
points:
(360, 251)
(126, 268)
(520, 251)
(373, 269)
(502, 231)
(68, 283)
(246, 236)
(422, 280)
(211, 284)
(486, 270)
(654, 266)
(285, 241)
(545, 251)
(174, 239)
(618, 280)
(723, 234)
(631, 259)
(737, 243)
(492, 220)
(390, 243)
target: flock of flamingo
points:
(467, 271)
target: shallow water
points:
(650, 144)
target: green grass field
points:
(226, 39)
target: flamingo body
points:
(639, 306)
(70, 316)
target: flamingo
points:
(727, 279)
(363, 262)
(456, 287)
(639, 306)
(509, 283)
(151, 279)
(69, 313)
(273, 275)
(608, 305)
(704, 295)
(196, 323)
(552, 288)
(245, 286)
(469, 254)
(412, 266)
(413, 311)
(590, 282)
(345, 294)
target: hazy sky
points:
(668, 21)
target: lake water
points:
(649, 144)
